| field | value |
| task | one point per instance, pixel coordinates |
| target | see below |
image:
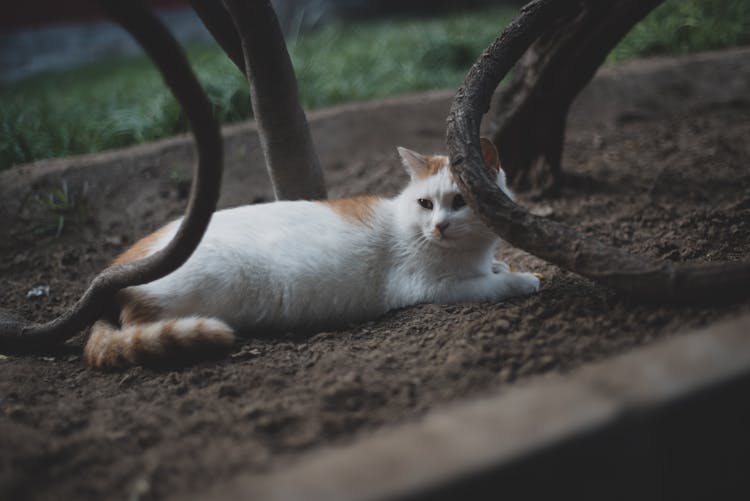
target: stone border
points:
(667, 421)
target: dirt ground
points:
(673, 184)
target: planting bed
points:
(661, 156)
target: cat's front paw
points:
(512, 284)
(525, 283)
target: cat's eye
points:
(426, 203)
(458, 202)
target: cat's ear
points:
(416, 165)
(489, 153)
(492, 163)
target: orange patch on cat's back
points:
(142, 247)
(357, 209)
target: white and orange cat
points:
(307, 265)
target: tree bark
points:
(641, 278)
(285, 138)
(20, 335)
(219, 23)
(529, 127)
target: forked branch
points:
(19, 335)
(529, 127)
(639, 277)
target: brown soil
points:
(672, 182)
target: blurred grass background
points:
(118, 103)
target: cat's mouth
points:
(442, 240)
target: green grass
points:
(683, 26)
(344, 63)
(114, 104)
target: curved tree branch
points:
(284, 134)
(639, 277)
(18, 335)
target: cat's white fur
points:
(303, 265)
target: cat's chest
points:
(419, 276)
(409, 279)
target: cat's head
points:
(432, 208)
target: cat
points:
(293, 265)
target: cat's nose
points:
(441, 226)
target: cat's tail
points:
(163, 342)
